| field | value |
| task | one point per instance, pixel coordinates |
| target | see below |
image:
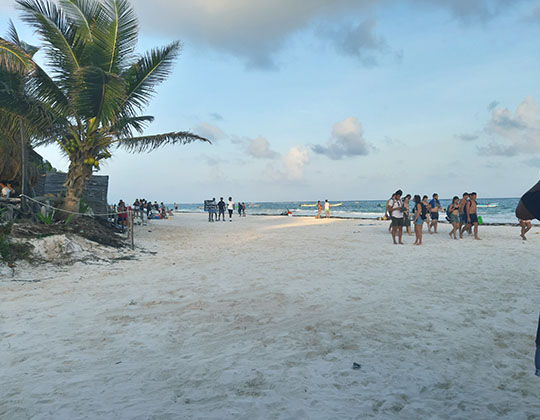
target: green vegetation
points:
(93, 99)
(10, 251)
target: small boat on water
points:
(488, 206)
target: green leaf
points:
(148, 143)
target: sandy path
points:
(263, 318)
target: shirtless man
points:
(319, 208)
(529, 208)
(463, 214)
(472, 217)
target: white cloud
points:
(514, 133)
(290, 167)
(259, 148)
(347, 140)
(255, 31)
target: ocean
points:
(503, 212)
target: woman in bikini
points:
(453, 216)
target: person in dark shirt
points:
(529, 208)
(221, 209)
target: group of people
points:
(461, 213)
(216, 211)
(142, 209)
(6, 190)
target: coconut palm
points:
(18, 123)
(98, 86)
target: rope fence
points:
(130, 224)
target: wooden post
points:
(23, 166)
(131, 229)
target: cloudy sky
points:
(341, 99)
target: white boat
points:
(488, 206)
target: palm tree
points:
(98, 88)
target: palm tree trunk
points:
(77, 176)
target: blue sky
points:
(343, 99)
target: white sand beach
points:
(263, 318)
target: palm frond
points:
(124, 126)
(118, 35)
(97, 94)
(151, 69)
(13, 37)
(149, 143)
(85, 14)
(62, 43)
(13, 58)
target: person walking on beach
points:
(463, 213)
(419, 212)
(472, 217)
(239, 209)
(326, 209)
(453, 216)
(221, 209)
(230, 207)
(319, 208)
(435, 206)
(396, 212)
(243, 209)
(525, 227)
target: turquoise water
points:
(362, 209)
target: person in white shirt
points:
(230, 207)
(395, 208)
(326, 209)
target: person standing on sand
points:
(326, 209)
(463, 213)
(396, 212)
(230, 207)
(428, 211)
(387, 213)
(525, 227)
(319, 208)
(243, 209)
(435, 206)
(406, 214)
(221, 209)
(529, 208)
(472, 217)
(453, 216)
(239, 209)
(419, 211)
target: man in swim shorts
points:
(472, 217)
(221, 209)
(435, 206)
(529, 208)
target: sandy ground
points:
(263, 318)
